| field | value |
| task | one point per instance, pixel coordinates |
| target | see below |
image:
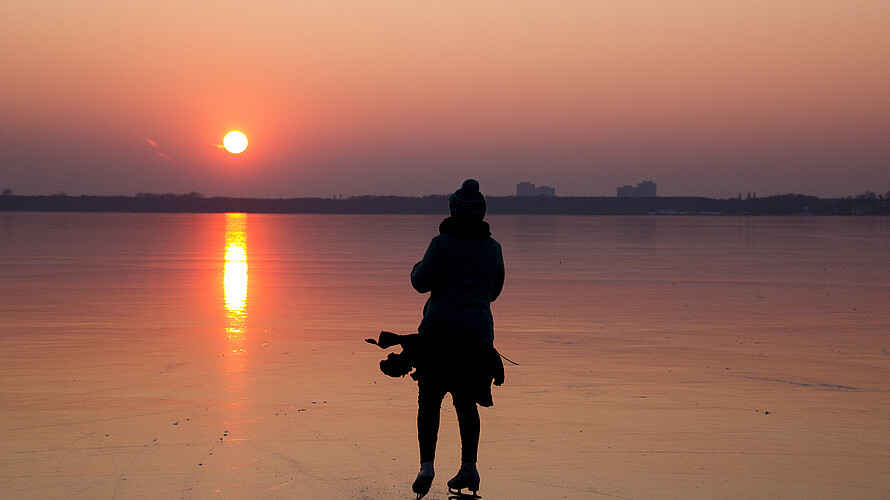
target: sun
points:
(235, 142)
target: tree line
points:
(788, 204)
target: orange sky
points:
(405, 97)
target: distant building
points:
(529, 189)
(645, 189)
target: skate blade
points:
(459, 495)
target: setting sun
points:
(235, 142)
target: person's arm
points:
(500, 273)
(423, 275)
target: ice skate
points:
(465, 478)
(422, 484)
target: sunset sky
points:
(703, 97)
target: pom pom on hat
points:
(467, 200)
(470, 186)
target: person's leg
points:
(468, 422)
(429, 404)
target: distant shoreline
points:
(788, 204)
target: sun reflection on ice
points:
(235, 293)
(235, 279)
(236, 359)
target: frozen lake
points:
(221, 356)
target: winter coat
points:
(463, 269)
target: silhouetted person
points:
(463, 269)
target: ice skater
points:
(463, 270)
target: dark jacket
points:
(463, 269)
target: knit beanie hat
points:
(467, 200)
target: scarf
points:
(468, 228)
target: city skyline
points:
(399, 98)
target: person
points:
(463, 270)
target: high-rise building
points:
(529, 189)
(645, 189)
